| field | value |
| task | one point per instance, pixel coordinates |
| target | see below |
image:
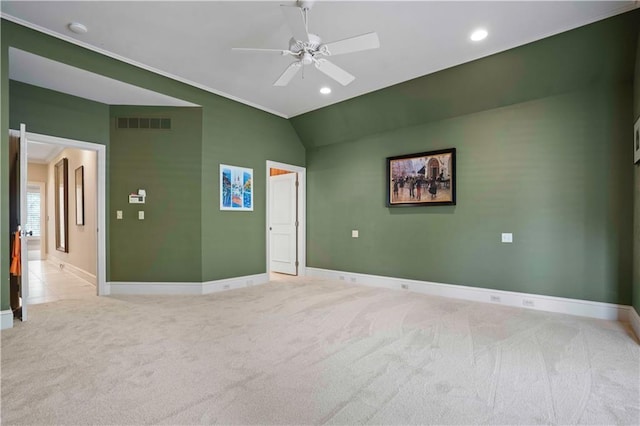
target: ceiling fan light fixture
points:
(479, 34)
(325, 90)
(307, 58)
(77, 27)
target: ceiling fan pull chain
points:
(306, 19)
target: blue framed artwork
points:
(236, 188)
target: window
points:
(33, 210)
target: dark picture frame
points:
(79, 195)
(61, 195)
(422, 179)
(636, 142)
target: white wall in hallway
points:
(82, 238)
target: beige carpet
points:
(314, 352)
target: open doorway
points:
(286, 219)
(71, 225)
(62, 253)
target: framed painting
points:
(423, 179)
(236, 188)
(636, 142)
(80, 195)
(61, 213)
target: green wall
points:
(636, 246)
(541, 133)
(548, 170)
(542, 139)
(58, 114)
(166, 245)
(234, 243)
(592, 54)
(229, 244)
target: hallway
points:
(50, 283)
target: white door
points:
(24, 249)
(283, 241)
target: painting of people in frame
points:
(423, 179)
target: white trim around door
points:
(302, 214)
(101, 152)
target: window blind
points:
(33, 213)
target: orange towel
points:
(16, 264)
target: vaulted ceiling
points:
(192, 41)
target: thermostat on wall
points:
(137, 198)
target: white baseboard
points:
(233, 283)
(79, 272)
(6, 319)
(634, 320)
(140, 288)
(585, 308)
(185, 288)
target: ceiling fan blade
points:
(288, 74)
(354, 44)
(334, 71)
(295, 19)
(251, 49)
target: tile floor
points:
(48, 283)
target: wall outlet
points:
(141, 215)
(118, 214)
(495, 299)
(527, 302)
(507, 237)
(404, 286)
(355, 233)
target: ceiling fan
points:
(308, 48)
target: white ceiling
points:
(38, 71)
(42, 153)
(192, 41)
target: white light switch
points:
(354, 233)
(141, 214)
(118, 214)
(507, 237)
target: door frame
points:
(302, 214)
(101, 208)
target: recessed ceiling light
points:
(77, 28)
(325, 90)
(479, 34)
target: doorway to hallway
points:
(96, 229)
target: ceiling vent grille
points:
(143, 123)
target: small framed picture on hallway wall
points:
(236, 188)
(423, 179)
(636, 142)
